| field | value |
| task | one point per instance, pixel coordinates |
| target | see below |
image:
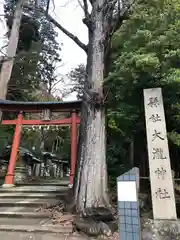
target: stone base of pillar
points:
(160, 229)
(8, 185)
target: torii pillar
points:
(73, 147)
(9, 179)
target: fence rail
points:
(147, 178)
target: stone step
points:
(60, 183)
(37, 228)
(21, 202)
(35, 189)
(7, 220)
(24, 215)
(49, 195)
(19, 209)
(20, 218)
(10, 235)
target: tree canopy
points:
(145, 53)
(34, 67)
(37, 64)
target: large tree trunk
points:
(91, 188)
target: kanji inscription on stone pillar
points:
(162, 190)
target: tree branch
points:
(87, 19)
(115, 19)
(92, 1)
(58, 25)
(86, 8)
(47, 7)
(54, 84)
(70, 35)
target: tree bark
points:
(7, 65)
(91, 189)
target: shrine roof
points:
(15, 106)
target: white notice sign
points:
(162, 190)
(127, 191)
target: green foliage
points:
(55, 140)
(38, 65)
(29, 28)
(78, 77)
(145, 54)
(25, 77)
(6, 134)
(34, 68)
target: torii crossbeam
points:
(20, 108)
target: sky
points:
(69, 14)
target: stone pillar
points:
(21, 172)
(162, 191)
(29, 171)
(61, 170)
(42, 170)
(55, 170)
(36, 170)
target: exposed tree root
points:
(99, 214)
(96, 222)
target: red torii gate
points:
(37, 107)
